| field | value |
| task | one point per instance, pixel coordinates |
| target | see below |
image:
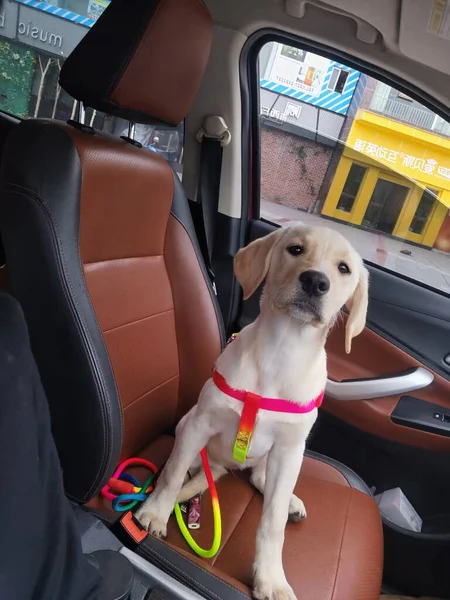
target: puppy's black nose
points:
(314, 283)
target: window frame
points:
(340, 71)
(250, 105)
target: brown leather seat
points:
(123, 321)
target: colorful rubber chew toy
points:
(130, 493)
(130, 490)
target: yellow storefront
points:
(392, 178)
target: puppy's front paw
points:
(150, 520)
(266, 590)
(297, 510)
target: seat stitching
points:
(205, 278)
(196, 565)
(120, 259)
(342, 542)
(149, 391)
(163, 312)
(53, 229)
(189, 577)
(175, 313)
(108, 413)
(236, 526)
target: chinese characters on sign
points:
(276, 115)
(428, 166)
(291, 110)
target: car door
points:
(334, 144)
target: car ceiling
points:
(393, 35)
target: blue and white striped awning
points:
(327, 99)
(58, 12)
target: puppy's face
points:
(310, 272)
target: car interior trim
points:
(379, 387)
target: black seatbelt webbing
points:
(209, 187)
(2, 253)
(208, 197)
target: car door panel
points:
(414, 316)
(374, 356)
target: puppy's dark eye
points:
(343, 268)
(295, 250)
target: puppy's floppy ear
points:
(252, 262)
(357, 306)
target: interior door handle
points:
(379, 387)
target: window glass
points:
(385, 205)
(343, 149)
(423, 212)
(351, 187)
(337, 81)
(168, 142)
(35, 39)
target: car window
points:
(343, 149)
(35, 39)
(166, 141)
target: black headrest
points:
(143, 60)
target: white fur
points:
(280, 355)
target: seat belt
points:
(2, 254)
(213, 136)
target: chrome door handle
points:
(379, 387)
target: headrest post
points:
(131, 130)
(81, 113)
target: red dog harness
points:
(252, 404)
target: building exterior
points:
(305, 100)
(394, 177)
(35, 38)
(292, 168)
(349, 147)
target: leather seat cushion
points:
(336, 553)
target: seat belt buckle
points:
(129, 531)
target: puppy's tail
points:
(198, 484)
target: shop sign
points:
(310, 78)
(8, 19)
(429, 166)
(38, 29)
(48, 33)
(416, 154)
(291, 111)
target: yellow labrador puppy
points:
(310, 274)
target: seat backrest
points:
(102, 252)
(7, 123)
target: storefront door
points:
(385, 205)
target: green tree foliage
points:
(17, 67)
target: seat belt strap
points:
(213, 137)
(2, 254)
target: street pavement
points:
(427, 266)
